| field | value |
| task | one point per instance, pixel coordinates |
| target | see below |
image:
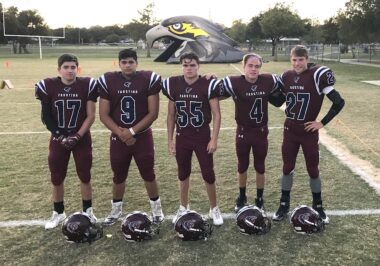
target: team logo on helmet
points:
(252, 220)
(137, 226)
(306, 220)
(191, 226)
(79, 228)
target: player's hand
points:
(130, 141)
(124, 134)
(212, 145)
(70, 142)
(171, 147)
(313, 126)
(210, 76)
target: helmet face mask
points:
(190, 226)
(137, 226)
(252, 220)
(78, 228)
(306, 220)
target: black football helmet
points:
(137, 226)
(191, 226)
(306, 220)
(252, 220)
(78, 228)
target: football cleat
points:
(181, 210)
(115, 213)
(216, 216)
(240, 203)
(90, 213)
(322, 214)
(282, 211)
(55, 219)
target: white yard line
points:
(226, 216)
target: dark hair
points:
(67, 58)
(247, 56)
(127, 53)
(300, 51)
(190, 56)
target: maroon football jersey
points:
(251, 99)
(192, 101)
(68, 102)
(128, 98)
(305, 92)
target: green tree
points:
(237, 31)
(254, 34)
(148, 20)
(279, 22)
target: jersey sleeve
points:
(93, 91)
(41, 91)
(324, 79)
(228, 88)
(215, 89)
(166, 89)
(103, 88)
(155, 84)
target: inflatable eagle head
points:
(194, 34)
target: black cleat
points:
(259, 202)
(282, 211)
(318, 207)
(240, 203)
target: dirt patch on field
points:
(364, 169)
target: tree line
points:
(357, 22)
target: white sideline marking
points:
(226, 216)
(102, 131)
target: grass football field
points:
(25, 193)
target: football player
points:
(129, 102)
(193, 103)
(251, 93)
(305, 87)
(68, 111)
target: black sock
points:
(285, 195)
(155, 198)
(116, 200)
(317, 198)
(242, 192)
(260, 192)
(59, 207)
(86, 204)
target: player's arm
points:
(151, 116)
(216, 120)
(105, 117)
(337, 105)
(170, 124)
(48, 120)
(90, 118)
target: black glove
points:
(70, 142)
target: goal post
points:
(31, 36)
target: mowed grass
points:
(25, 192)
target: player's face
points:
(68, 72)
(252, 69)
(190, 68)
(299, 63)
(128, 66)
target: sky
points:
(86, 13)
